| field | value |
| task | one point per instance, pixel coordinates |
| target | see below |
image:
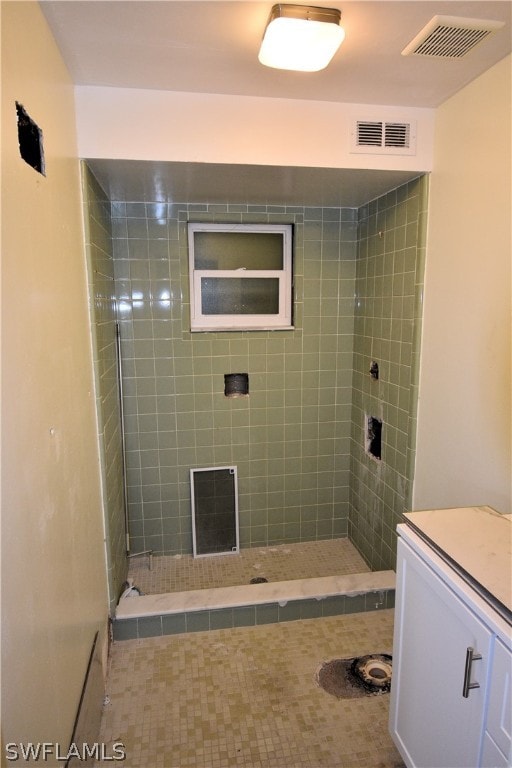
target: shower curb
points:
(251, 605)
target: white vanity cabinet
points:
(452, 663)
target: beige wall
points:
(53, 570)
(464, 420)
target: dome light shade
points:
(301, 37)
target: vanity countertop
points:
(475, 540)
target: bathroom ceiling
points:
(211, 47)
(257, 184)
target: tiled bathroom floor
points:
(280, 563)
(248, 698)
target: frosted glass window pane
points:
(240, 296)
(240, 276)
(237, 250)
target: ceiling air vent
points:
(378, 136)
(450, 37)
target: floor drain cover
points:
(345, 679)
(258, 580)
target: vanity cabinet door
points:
(432, 723)
(499, 714)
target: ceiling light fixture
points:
(301, 37)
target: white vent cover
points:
(383, 137)
(450, 37)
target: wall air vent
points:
(450, 37)
(378, 136)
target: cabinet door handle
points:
(471, 656)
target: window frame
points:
(242, 322)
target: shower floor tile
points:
(284, 562)
(248, 698)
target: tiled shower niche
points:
(293, 438)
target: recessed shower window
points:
(240, 276)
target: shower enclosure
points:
(298, 439)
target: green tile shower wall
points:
(290, 439)
(100, 269)
(387, 329)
